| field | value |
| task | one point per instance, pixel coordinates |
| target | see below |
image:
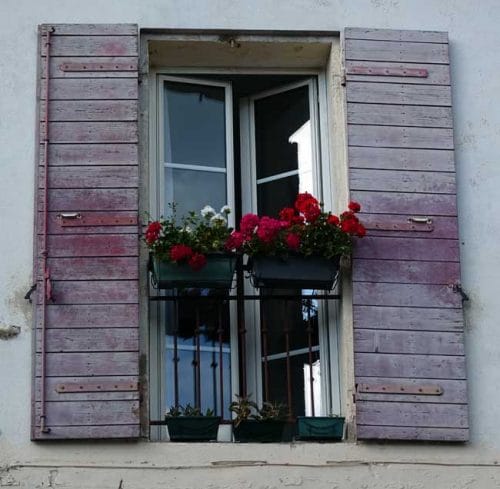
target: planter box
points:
(193, 428)
(259, 431)
(320, 428)
(294, 272)
(216, 274)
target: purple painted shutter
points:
(408, 323)
(86, 349)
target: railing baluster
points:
(220, 331)
(308, 303)
(176, 353)
(265, 338)
(288, 362)
(197, 363)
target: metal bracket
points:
(28, 294)
(419, 224)
(422, 390)
(72, 387)
(388, 71)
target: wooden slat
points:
(401, 159)
(403, 94)
(407, 52)
(400, 137)
(95, 29)
(396, 35)
(62, 45)
(91, 110)
(399, 115)
(123, 431)
(436, 74)
(409, 366)
(92, 132)
(365, 432)
(93, 245)
(454, 391)
(91, 89)
(57, 64)
(91, 316)
(90, 364)
(416, 272)
(409, 414)
(67, 200)
(404, 295)
(414, 342)
(83, 339)
(91, 177)
(402, 181)
(95, 292)
(91, 154)
(408, 318)
(111, 268)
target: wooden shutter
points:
(408, 323)
(86, 348)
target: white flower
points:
(187, 229)
(218, 219)
(208, 211)
(225, 209)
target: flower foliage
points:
(190, 238)
(305, 229)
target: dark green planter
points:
(216, 274)
(294, 272)
(193, 428)
(252, 431)
(320, 428)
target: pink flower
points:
(248, 224)
(197, 261)
(234, 241)
(180, 252)
(269, 228)
(293, 241)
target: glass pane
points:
(191, 190)
(195, 124)
(283, 133)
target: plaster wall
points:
(475, 44)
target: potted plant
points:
(299, 249)
(190, 424)
(193, 251)
(325, 428)
(251, 424)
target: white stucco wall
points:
(475, 48)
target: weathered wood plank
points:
(396, 35)
(443, 227)
(91, 132)
(90, 364)
(404, 203)
(400, 137)
(399, 115)
(91, 110)
(119, 176)
(90, 154)
(89, 432)
(408, 272)
(67, 200)
(111, 268)
(407, 52)
(408, 318)
(387, 93)
(413, 342)
(402, 181)
(91, 316)
(93, 29)
(365, 432)
(454, 391)
(418, 249)
(57, 67)
(409, 366)
(93, 413)
(64, 45)
(94, 292)
(437, 74)
(401, 159)
(410, 414)
(93, 245)
(405, 295)
(85, 339)
(91, 89)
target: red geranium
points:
(235, 241)
(287, 214)
(180, 252)
(152, 232)
(248, 224)
(333, 220)
(354, 206)
(268, 229)
(304, 200)
(197, 261)
(293, 241)
(360, 231)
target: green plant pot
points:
(193, 428)
(320, 428)
(216, 274)
(294, 272)
(259, 431)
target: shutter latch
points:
(457, 288)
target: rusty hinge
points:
(103, 66)
(388, 71)
(410, 389)
(71, 387)
(75, 219)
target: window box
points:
(254, 431)
(216, 274)
(294, 272)
(193, 428)
(320, 428)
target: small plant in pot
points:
(251, 424)
(191, 424)
(321, 428)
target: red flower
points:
(197, 261)
(354, 206)
(248, 224)
(152, 232)
(298, 220)
(293, 241)
(234, 241)
(180, 252)
(333, 220)
(361, 230)
(304, 200)
(349, 226)
(311, 211)
(287, 214)
(268, 229)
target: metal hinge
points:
(343, 79)
(457, 288)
